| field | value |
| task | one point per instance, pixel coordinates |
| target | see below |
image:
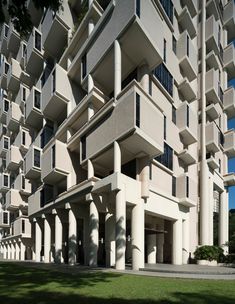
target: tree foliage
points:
(19, 14)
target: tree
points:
(19, 14)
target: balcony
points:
(186, 121)
(3, 39)
(22, 184)
(229, 19)
(213, 111)
(229, 143)
(186, 89)
(34, 54)
(13, 158)
(34, 202)
(4, 219)
(3, 74)
(23, 140)
(13, 40)
(186, 190)
(229, 179)
(4, 108)
(188, 156)
(55, 163)
(212, 86)
(187, 56)
(2, 164)
(191, 5)
(13, 76)
(135, 133)
(35, 13)
(4, 145)
(22, 96)
(212, 60)
(211, 35)
(33, 163)
(212, 163)
(187, 23)
(4, 182)
(212, 9)
(22, 227)
(33, 113)
(229, 102)
(56, 93)
(212, 138)
(14, 116)
(229, 60)
(14, 200)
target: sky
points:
(231, 162)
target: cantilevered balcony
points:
(229, 19)
(55, 93)
(212, 162)
(14, 200)
(212, 138)
(211, 35)
(191, 5)
(187, 56)
(3, 74)
(186, 190)
(4, 108)
(229, 179)
(229, 143)
(34, 54)
(186, 121)
(187, 90)
(22, 96)
(213, 111)
(4, 182)
(212, 60)
(213, 89)
(13, 158)
(55, 160)
(35, 13)
(14, 115)
(33, 163)
(13, 76)
(22, 227)
(229, 60)
(3, 39)
(4, 145)
(4, 219)
(188, 155)
(33, 112)
(22, 184)
(13, 39)
(3, 130)
(229, 102)
(187, 23)
(23, 140)
(212, 9)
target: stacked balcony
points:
(33, 112)
(14, 116)
(34, 55)
(22, 96)
(22, 227)
(229, 143)
(35, 13)
(187, 90)
(4, 182)
(213, 89)
(4, 108)
(229, 179)
(33, 163)
(13, 76)
(3, 130)
(4, 219)
(14, 200)
(188, 156)
(55, 93)
(229, 102)
(229, 60)
(3, 39)
(4, 145)
(213, 111)
(229, 19)
(187, 23)
(187, 56)
(212, 138)
(13, 39)
(212, 162)
(192, 6)
(23, 140)
(186, 121)
(3, 74)
(211, 35)
(13, 158)
(186, 190)
(22, 184)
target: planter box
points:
(202, 262)
(212, 263)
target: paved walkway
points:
(158, 270)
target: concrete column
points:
(72, 237)
(94, 234)
(22, 251)
(177, 243)
(204, 205)
(38, 242)
(47, 241)
(185, 241)
(90, 169)
(12, 251)
(223, 221)
(8, 252)
(91, 26)
(58, 239)
(4, 252)
(117, 157)
(137, 228)
(211, 211)
(160, 241)
(144, 77)
(151, 248)
(117, 69)
(120, 229)
(90, 84)
(144, 176)
(90, 3)
(17, 251)
(90, 111)
(110, 239)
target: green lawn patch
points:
(21, 284)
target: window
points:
(23, 226)
(168, 8)
(24, 50)
(138, 8)
(150, 171)
(219, 35)
(53, 156)
(187, 186)
(47, 134)
(37, 158)
(37, 99)
(46, 195)
(173, 115)
(137, 113)
(23, 138)
(166, 159)
(83, 143)
(164, 50)
(164, 77)
(5, 180)
(37, 41)
(164, 128)
(5, 218)
(53, 82)
(173, 186)
(150, 87)
(84, 66)
(187, 116)
(187, 45)
(6, 29)
(174, 44)
(219, 165)
(23, 93)
(6, 105)
(23, 182)
(6, 143)
(6, 67)
(221, 138)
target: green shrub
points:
(209, 253)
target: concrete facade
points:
(113, 135)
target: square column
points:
(17, 251)
(110, 239)
(38, 242)
(160, 242)
(4, 251)
(185, 241)
(22, 251)
(47, 240)
(94, 234)
(72, 237)
(58, 239)
(117, 69)
(177, 243)
(223, 221)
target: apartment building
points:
(113, 137)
